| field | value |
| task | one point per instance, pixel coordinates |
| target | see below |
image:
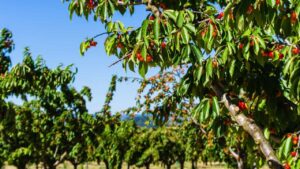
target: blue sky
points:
(45, 27)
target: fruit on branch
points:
(241, 46)
(151, 17)
(220, 15)
(162, 5)
(295, 140)
(163, 45)
(120, 45)
(93, 43)
(215, 63)
(287, 166)
(149, 58)
(242, 105)
(139, 57)
(277, 2)
(293, 153)
(250, 9)
(281, 56)
(293, 17)
(271, 54)
(295, 51)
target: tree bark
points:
(106, 164)
(239, 160)
(251, 128)
(182, 165)
(147, 166)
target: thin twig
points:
(124, 57)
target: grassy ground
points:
(67, 165)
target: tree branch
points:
(153, 9)
(250, 127)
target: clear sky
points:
(45, 27)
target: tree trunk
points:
(128, 166)
(181, 164)
(168, 166)
(147, 166)
(238, 158)
(106, 164)
(251, 128)
(75, 166)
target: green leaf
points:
(231, 69)
(197, 53)
(267, 133)
(271, 3)
(144, 28)
(206, 109)
(287, 147)
(216, 108)
(171, 14)
(180, 19)
(241, 23)
(156, 28)
(225, 55)
(190, 27)
(185, 36)
(143, 69)
(209, 68)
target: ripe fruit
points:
(220, 16)
(140, 57)
(271, 54)
(93, 43)
(281, 56)
(264, 53)
(295, 51)
(215, 64)
(149, 58)
(295, 140)
(242, 105)
(250, 9)
(162, 5)
(163, 45)
(293, 153)
(289, 135)
(287, 166)
(120, 45)
(293, 17)
(214, 33)
(251, 43)
(151, 18)
(277, 2)
(241, 46)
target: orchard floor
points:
(67, 165)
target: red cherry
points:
(281, 56)
(241, 46)
(140, 57)
(242, 105)
(250, 9)
(162, 5)
(163, 45)
(293, 153)
(149, 58)
(289, 135)
(151, 18)
(293, 17)
(287, 166)
(252, 43)
(93, 43)
(295, 51)
(271, 54)
(120, 45)
(220, 16)
(264, 53)
(277, 2)
(295, 139)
